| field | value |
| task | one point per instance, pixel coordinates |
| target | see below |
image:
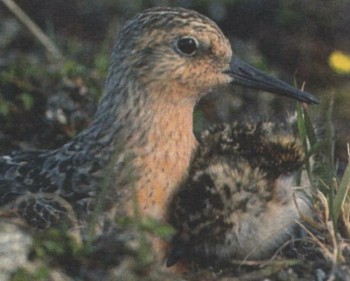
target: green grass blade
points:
(309, 128)
(342, 193)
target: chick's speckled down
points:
(238, 201)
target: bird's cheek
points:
(185, 76)
(225, 78)
(220, 79)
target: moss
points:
(40, 274)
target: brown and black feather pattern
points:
(235, 198)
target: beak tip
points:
(308, 98)
(247, 76)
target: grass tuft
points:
(330, 190)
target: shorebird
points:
(239, 201)
(141, 142)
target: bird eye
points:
(187, 45)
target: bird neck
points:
(162, 161)
(154, 134)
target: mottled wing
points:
(17, 174)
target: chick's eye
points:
(187, 46)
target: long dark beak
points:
(245, 75)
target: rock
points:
(15, 244)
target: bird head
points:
(180, 54)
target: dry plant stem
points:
(34, 28)
(325, 251)
(267, 271)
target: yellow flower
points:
(339, 62)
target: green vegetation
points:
(40, 274)
(331, 196)
(320, 164)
